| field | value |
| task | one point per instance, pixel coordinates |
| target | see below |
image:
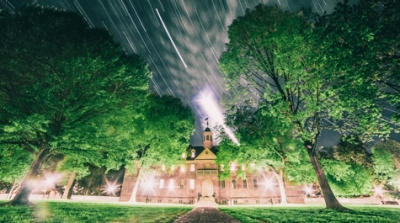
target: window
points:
(182, 168)
(171, 184)
(243, 167)
(193, 153)
(183, 155)
(192, 167)
(163, 167)
(257, 201)
(222, 167)
(208, 138)
(190, 201)
(182, 183)
(233, 167)
(223, 184)
(255, 183)
(233, 184)
(244, 183)
(191, 184)
(172, 167)
(180, 201)
(159, 200)
(161, 183)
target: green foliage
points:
(61, 84)
(386, 158)
(264, 142)
(361, 45)
(348, 167)
(160, 135)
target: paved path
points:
(206, 215)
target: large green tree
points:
(61, 83)
(280, 55)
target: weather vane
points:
(207, 121)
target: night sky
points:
(181, 40)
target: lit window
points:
(233, 167)
(233, 184)
(244, 183)
(182, 168)
(222, 167)
(161, 183)
(255, 183)
(191, 184)
(192, 167)
(183, 155)
(252, 165)
(243, 167)
(172, 167)
(171, 184)
(163, 167)
(193, 153)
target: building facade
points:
(198, 179)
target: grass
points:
(375, 214)
(53, 211)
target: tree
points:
(264, 143)
(159, 137)
(61, 83)
(349, 168)
(362, 40)
(280, 56)
(386, 159)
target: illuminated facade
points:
(197, 180)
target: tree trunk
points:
(15, 184)
(25, 190)
(68, 188)
(330, 200)
(281, 184)
(135, 188)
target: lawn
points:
(363, 214)
(90, 212)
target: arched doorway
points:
(207, 188)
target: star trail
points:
(181, 40)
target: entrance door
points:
(207, 188)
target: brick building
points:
(198, 179)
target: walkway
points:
(206, 215)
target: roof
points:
(199, 150)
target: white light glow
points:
(211, 107)
(307, 189)
(110, 188)
(378, 191)
(268, 183)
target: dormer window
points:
(193, 153)
(163, 167)
(172, 167)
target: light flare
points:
(211, 107)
